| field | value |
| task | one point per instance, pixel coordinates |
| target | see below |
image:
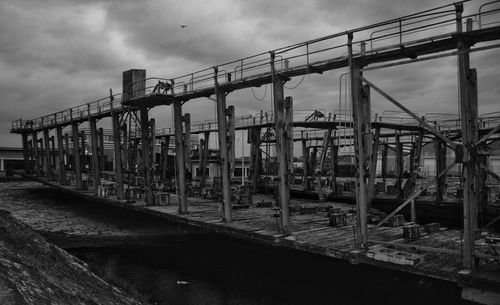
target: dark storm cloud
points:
(55, 54)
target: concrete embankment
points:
(34, 271)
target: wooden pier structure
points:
(140, 179)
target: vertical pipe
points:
(95, 153)
(60, 148)
(117, 156)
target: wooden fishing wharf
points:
(359, 233)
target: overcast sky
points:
(55, 54)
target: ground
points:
(33, 271)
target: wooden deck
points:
(436, 255)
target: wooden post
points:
(187, 144)
(288, 104)
(334, 164)
(152, 152)
(399, 167)
(76, 157)
(385, 150)
(282, 150)
(232, 140)
(305, 164)
(203, 158)
(67, 152)
(146, 161)
(53, 154)
(117, 156)
(83, 161)
(467, 81)
(179, 152)
(95, 153)
(359, 96)
(224, 153)
(373, 166)
(440, 150)
(36, 155)
(415, 161)
(324, 148)
(312, 160)
(60, 148)
(164, 157)
(26, 153)
(101, 149)
(41, 154)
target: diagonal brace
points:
(423, 123)
(488, 135)
(415, 195)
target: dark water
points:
(227, 271)
(194, 269)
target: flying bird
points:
(184, 26)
